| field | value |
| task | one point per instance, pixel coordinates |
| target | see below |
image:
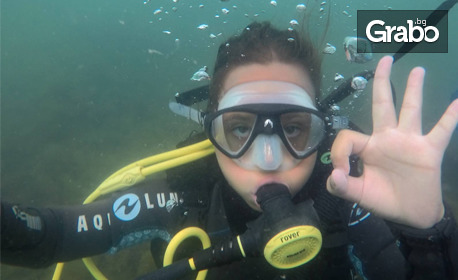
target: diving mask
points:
(270, 125)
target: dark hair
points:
(262, 43)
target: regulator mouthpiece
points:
(291, 234)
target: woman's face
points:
(247, 182)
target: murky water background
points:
(85, 87)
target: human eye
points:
(239, 125)
(292, 130)
(240, 130)
(295, 124)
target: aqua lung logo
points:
(127, 207)
(389, 30)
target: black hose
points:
(432, 20)
(345, 88)
(343, 91)
(193, 96)
(216, 255)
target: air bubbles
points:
(338, 77)
(203, 26)
(300, 7)
(329, 49)
(293, 22)
(346, 13)
(201, 75)
(359, 83)
(335, 107)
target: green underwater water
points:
(85, 87)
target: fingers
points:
(344, 186)
(383, 112)
(346, 144)
(410, 115)
(339, 182)
(442, 132)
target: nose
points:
(267, 152)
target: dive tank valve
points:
(289, 233)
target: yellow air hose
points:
(136, 172)
(179, 238)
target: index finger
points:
(383, 112)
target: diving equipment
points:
(290, 232)
(200, 94)
(192, 96)
(286, 234)
(187, 112)
(135, 173)
(266, 124)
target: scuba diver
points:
(369, 206)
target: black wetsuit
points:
(354, 241)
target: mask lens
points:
(303, 131)
(231, 130)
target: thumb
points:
(344, 186)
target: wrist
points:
(443, 229)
